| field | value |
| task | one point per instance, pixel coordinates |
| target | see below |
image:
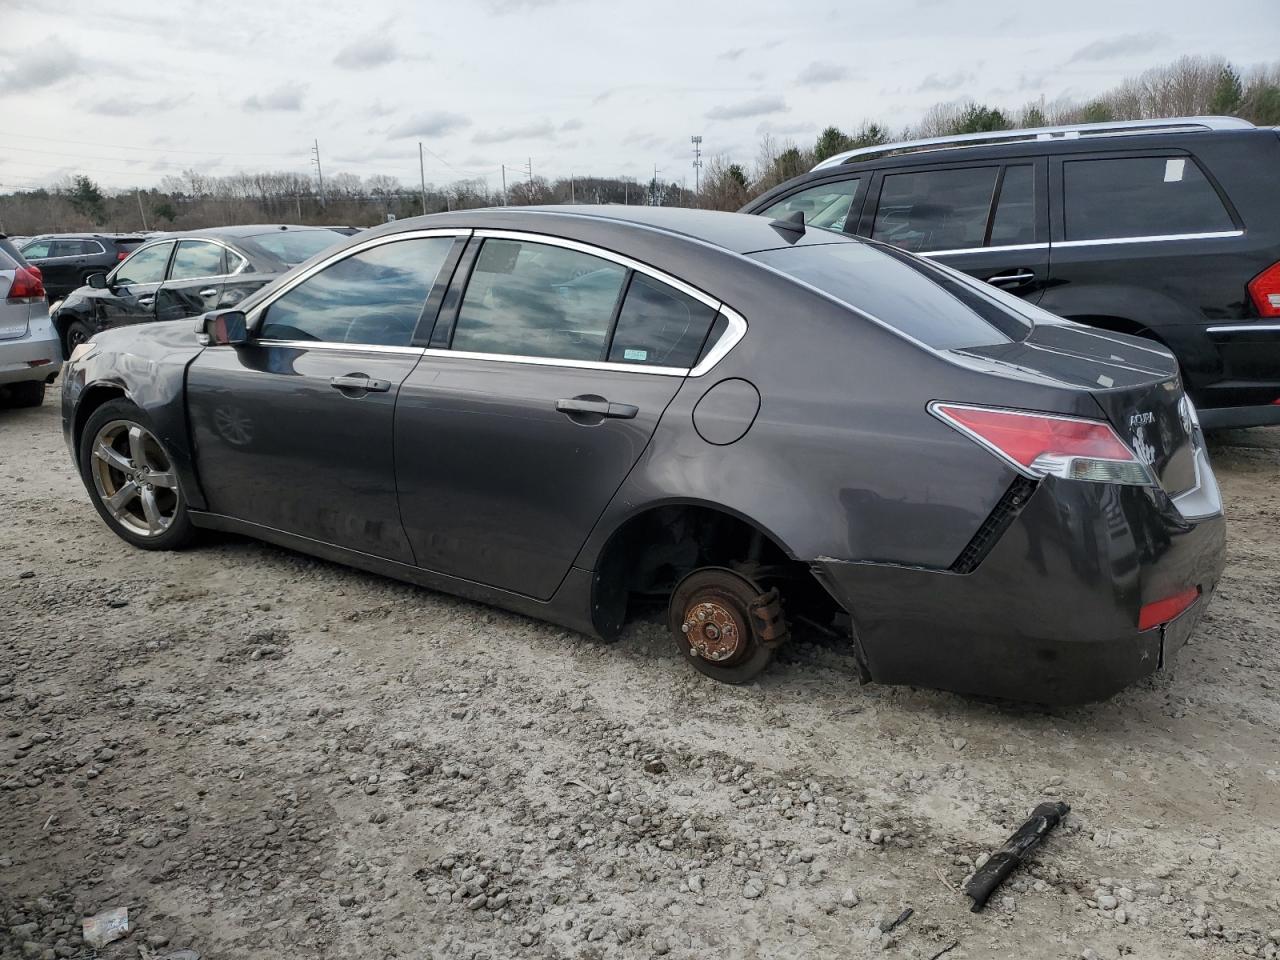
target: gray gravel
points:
(264, 755)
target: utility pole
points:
(573, 197)
(697, 161)
(319, 172)
(141, 212)
(653, 188)
(422, 177)
(504, 184)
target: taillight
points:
(1264, 291)
(1162, 611)
(27, 285)
(1042, 444)
(122, 255)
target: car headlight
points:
(83, 350)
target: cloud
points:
(732, 54)
(943, 83)
(536, 130)
(515, 6)
(134, 106)
(287, 97)
(820, 72)
(367, 53)
(1125, 45)
(755, 107)
(42, 66)
(435, 123)
(574, 124)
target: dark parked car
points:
(1167, 229)
(185, 274)
(571, 412)
(67, 259)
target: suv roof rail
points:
(1067, 132)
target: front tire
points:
(132, 480)
(716, 619)
(77, 333)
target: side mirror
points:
(97, 280)
(224, 328)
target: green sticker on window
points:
(635, 354)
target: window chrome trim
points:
(1007, 246)
(559, 362)
(255, 315)
(138, 249)
(1244, 328)
(1159, 238)
(728, 340)
(215, 276)
(345, 347)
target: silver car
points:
(30, 355)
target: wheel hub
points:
(712, 630)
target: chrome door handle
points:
(146, 301)
(1015, 278)
(601, 408)
(367, 384)
(208, 292)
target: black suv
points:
(67, 259)
(1169, 229)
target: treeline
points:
(1188, 86)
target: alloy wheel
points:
(134, 478)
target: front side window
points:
(1139, 197)
(145, 265)
(372, 297)
(37, 250)
(659, 326)
(935, 209)
(826, 205)
(197, 258)
(538, 300)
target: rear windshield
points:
(294, 246)
(936, 306)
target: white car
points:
(30, 353)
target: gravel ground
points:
(264, 755)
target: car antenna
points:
(791, 228)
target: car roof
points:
(733, 232)
(241, 230)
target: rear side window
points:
(197, 258)
(1015, 217)
(826, 205)
(294, 246)
(1139, 197)
(897, 290)
(372, 297)
(935, 209)
(537, 300)
(659, 326)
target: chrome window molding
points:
(559, 362)
(68, 256)
(1007, 246)
(1244, 328)
(217, 276)
(136, 250)
(1159, 238)
(344, 347)
(255, 315)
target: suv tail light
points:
(122, 255)
(1264, 290)
(28, 285)
(1043, 444)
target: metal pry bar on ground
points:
(1002, 863)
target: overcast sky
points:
(128, 92)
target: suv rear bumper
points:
(37, 355)
(1260, 415)
(1050, 614)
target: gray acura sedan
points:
(580, 412)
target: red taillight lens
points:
(1264, 291)
(1041, 444)
(27, 285)
(121, 255)
(1162, 611)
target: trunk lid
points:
(1135, 383)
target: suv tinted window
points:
(895, 290)
(659, 326)
(1139, 197)
(536, 300)
(826, 205)
(145, 265)
(37, 249)
(372, 297)
(197, 258)
(935, 209)
(1015, 219)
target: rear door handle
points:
(1014, 279)
(601, 408)
(366, 384)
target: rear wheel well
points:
(91, 400)
(650, 553)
